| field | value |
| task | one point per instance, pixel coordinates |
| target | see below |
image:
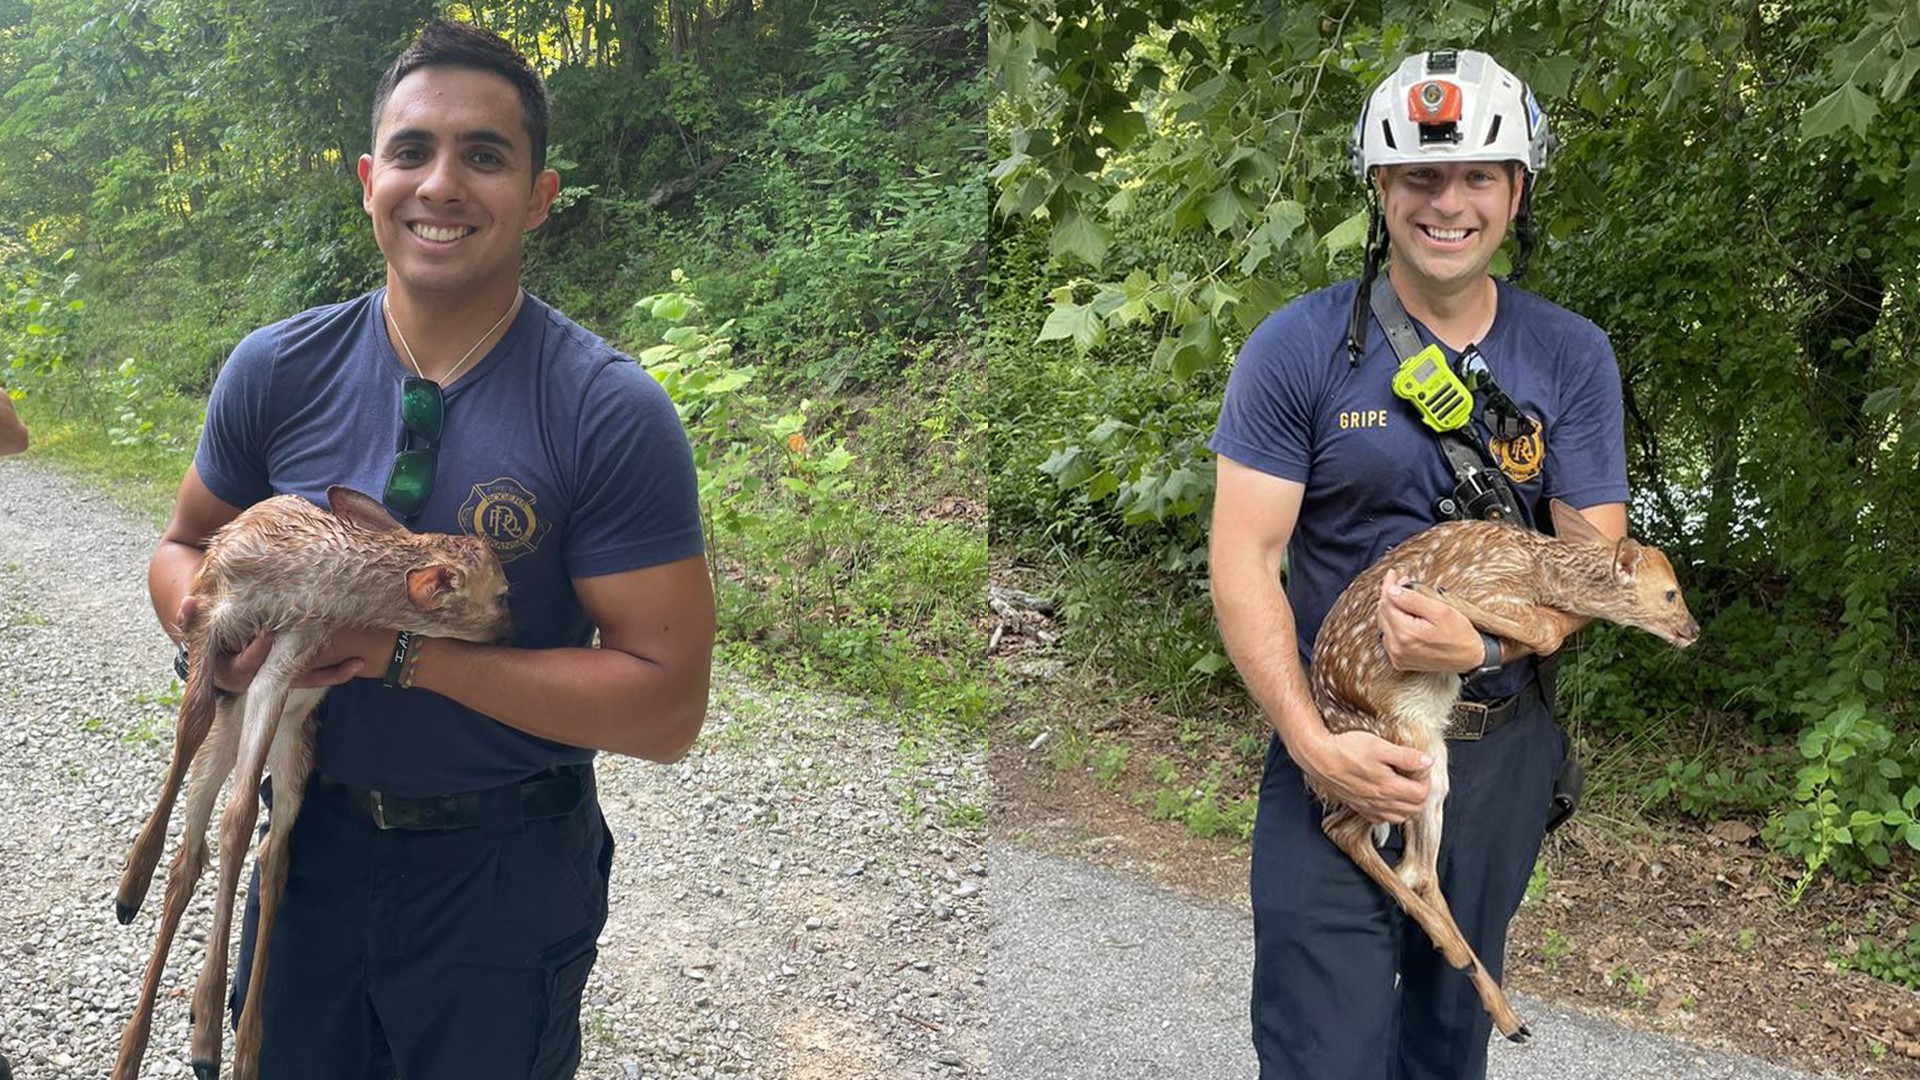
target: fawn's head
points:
(1645, 592)
(456, 583)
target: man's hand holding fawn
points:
(1386, 783)
(1424, 634)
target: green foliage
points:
(1896, 963)
(37, 311)
(1707, 791)
(1213, 806)
(819, 585)
(1734, 201)
(1109, 763)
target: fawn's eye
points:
(1672, 594)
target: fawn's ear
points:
(1573, 527)
(1627, 557)
(363, 510)
(428, 586)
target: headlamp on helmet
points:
(1449, 105)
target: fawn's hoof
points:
(125, 911)
(206, 1070)
(1520, 1034)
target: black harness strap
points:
(1465, 457)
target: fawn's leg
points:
(1419, 864)
(288, 762)
(197, 705)
(267, 699)
(210, 768)
(1353, 835)
(1540, 629)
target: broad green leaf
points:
(1911, 834)
(1272, 235)
(1023, 198)
(1122, 127)
(1211, 664)
(732, 380)
(1349, 233)
(1198, 348)
(1080, 236)
(1076, 322)
(1872, 679)
(1894, 86)
(1104, 434)
(1884, 400)
(1551, 76)
(1223, 208)
(1677, 90)
(1846, 107)
(1069, 467)
(836, 460)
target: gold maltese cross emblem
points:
(502, 511)
(1519, 457)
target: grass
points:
(141, 476)
(1554, 948)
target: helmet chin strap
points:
(1376, 251)
(1523, 229)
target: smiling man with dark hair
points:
(449, 864)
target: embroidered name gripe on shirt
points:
(1363, 418)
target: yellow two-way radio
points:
(1444, 402)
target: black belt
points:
(553, 793)
(1472, 720)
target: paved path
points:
(1115, 980)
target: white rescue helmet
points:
(1449, 105)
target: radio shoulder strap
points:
(1463, 454)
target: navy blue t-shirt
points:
(563, 453)
(1296, 409)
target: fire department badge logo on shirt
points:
(502, 511)
(1521, 456)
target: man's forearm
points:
(169, 576)
(1256, 624)
(602, 698)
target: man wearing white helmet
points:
(1320, 461)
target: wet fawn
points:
(288, 567)
(1508, 581)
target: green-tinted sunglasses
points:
(422, 412)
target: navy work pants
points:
(1328, 941)
(459, 954)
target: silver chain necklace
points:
(387, 308)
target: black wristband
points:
(401, 643)
(1493, 661)
(180, 662)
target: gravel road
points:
(804, 896)
(1117, 980)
